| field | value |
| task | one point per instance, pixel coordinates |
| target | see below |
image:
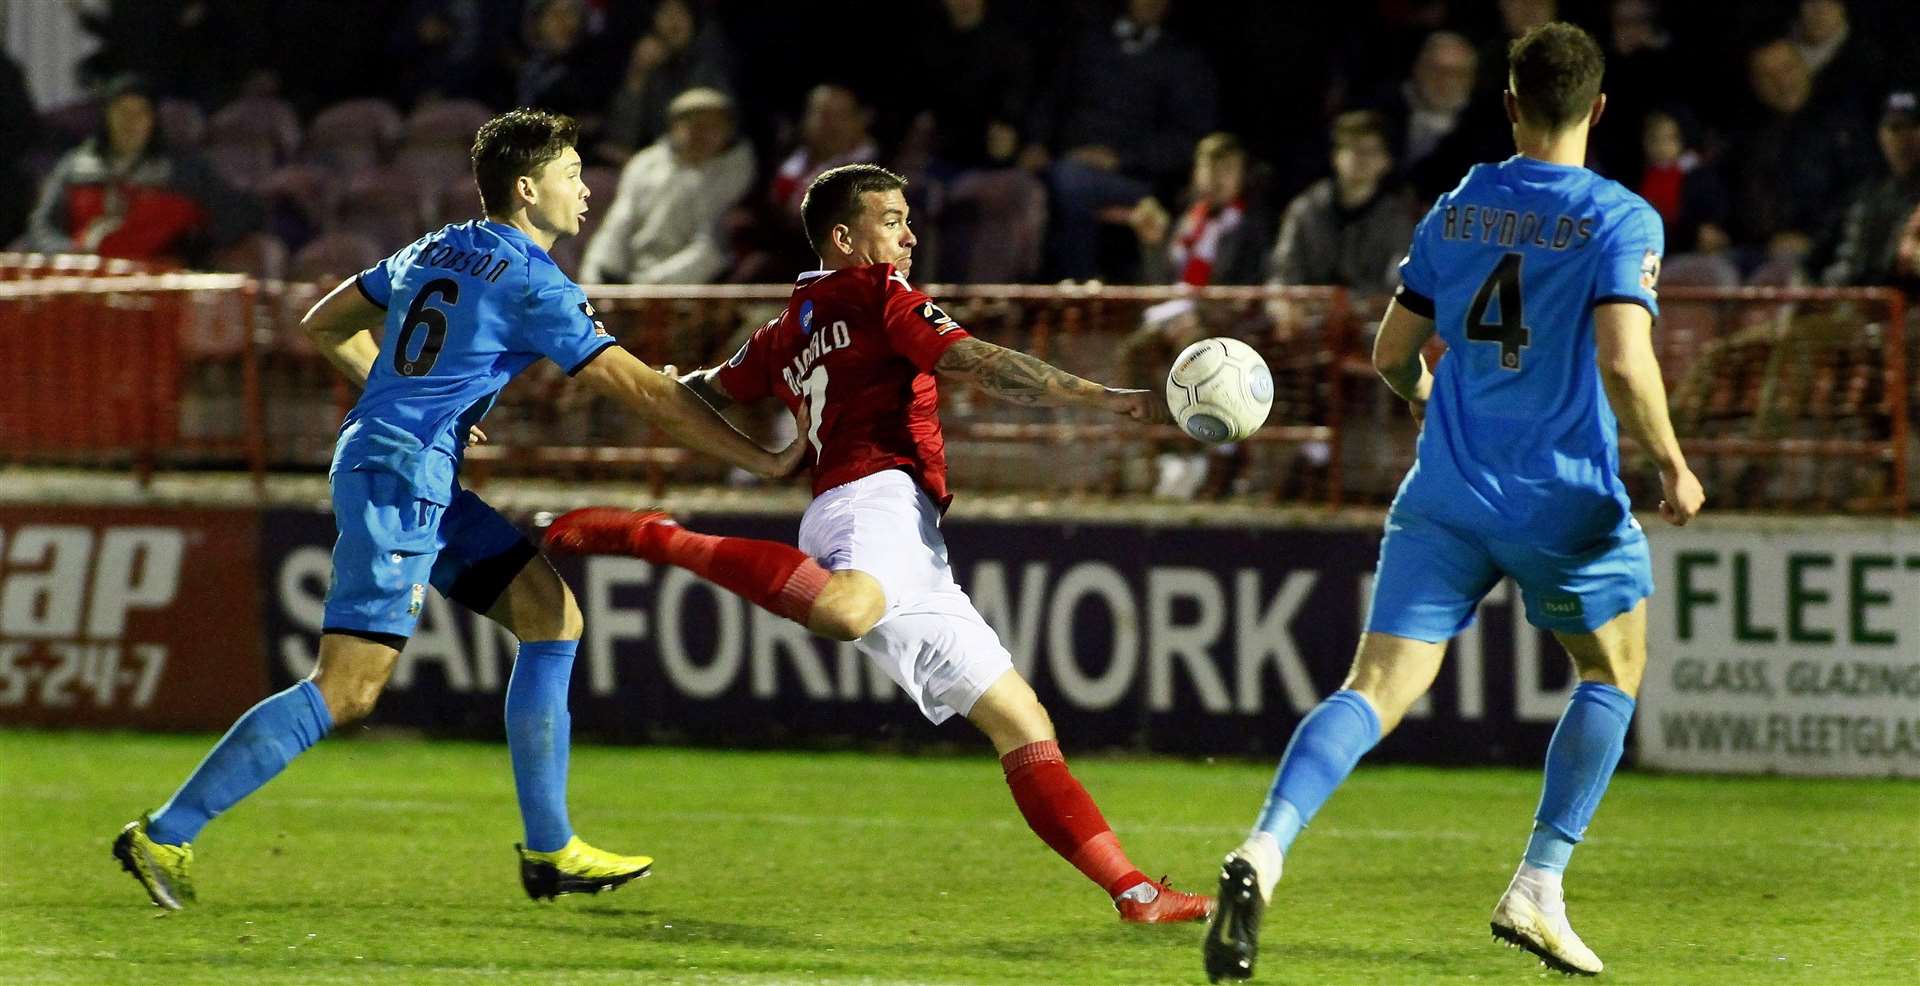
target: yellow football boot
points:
(160, 868)
(577, 868)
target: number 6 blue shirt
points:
(468, 307)
(1520, 443)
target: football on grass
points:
(1219, 390)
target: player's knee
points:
(847, 609)
(349, 698)
(572, 625)
(845, 619)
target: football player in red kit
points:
(855, 355)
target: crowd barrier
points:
(1784, 398)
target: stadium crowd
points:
(1147, 141)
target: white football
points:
(1219, 390)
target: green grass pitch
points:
(389, 861)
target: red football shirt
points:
(858, 345)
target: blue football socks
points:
(1324, 749)
(539, 730)
(258, 747)
(1586, 747)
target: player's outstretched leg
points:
(779, 578)
(1586, 747)
(157, 847)
(1062, 813)
(1323, 751)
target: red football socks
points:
(779, 578)
(1064, 816)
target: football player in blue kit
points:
(1540, 276)
(464, 310)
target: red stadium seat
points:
(311, 191)
(457, 201)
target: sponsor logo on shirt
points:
(1649, 270)
(806, 318)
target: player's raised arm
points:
(341, 327)
(1623, 342)
(689, 420)
(1018, 378)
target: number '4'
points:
(1511, 331)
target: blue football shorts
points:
(393, 544)
(1431, 578)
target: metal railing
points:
(1784, 398)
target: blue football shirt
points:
(468, 307)
(1520, 443)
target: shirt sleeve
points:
(916, 327)
(1417, 278)
(376, 283)
(561, 325)
(1630, 261)
(745, 377)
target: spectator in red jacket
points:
(123, 194)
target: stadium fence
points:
(1785, 398)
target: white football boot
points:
(1532, 915)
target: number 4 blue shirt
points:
(1520, 443)
(468, 307)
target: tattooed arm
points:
(1021, 379)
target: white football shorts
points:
(930, 641)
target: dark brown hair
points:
(834, 198)
(1356, 124)
(516, 143)
(1555, 74)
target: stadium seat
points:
(249, 137)
(260, 255)
(352, 135)
(1699, 270)
(456, 202)
(995, 224)
(388, 204)
(181, 123)
(335, 255)
(257, 118)
(447, 121)
(300, 195)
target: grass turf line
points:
(374, 861)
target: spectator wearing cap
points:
(680, 51)
(1351, 228)
(1870, 240)
(665, 223)
(123, 193)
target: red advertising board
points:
(129, 617)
